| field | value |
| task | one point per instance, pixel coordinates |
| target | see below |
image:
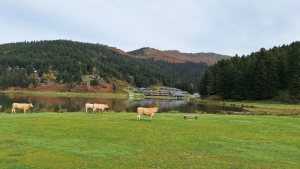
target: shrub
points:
(200, 112)
(223, 112)
(240, 113)
(173, 111)
(8, 111)
(62, 111)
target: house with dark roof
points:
(177, 94)
(38, 80)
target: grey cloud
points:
(225, 27)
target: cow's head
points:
(156, 108)
(106, 106)
(31, 105)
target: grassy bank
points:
(117, 140)
(68, 94)
(251, 104)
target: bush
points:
(200, 112)
(62, 111)
(287, 98)
(214, 98)
(173, 111)
(7, 111)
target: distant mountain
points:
(154, 54)
(174, 56)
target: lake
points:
(72, 104)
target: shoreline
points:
(68, 94)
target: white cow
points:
(89, 106)
(100, 107)
(145, 111)
(23, 106)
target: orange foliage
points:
(119, 51)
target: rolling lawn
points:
(117, 140)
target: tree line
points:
(259, 75)
(74, 59)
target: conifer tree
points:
(238, 92)
(260, 81)
(210, 83)
(294, 85)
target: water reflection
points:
(53, 104)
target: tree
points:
(114, 87)
(29, 69)
(131, 79)
(67, 77)
(41, 71)
(210, 83)
(294, 85)
(260, 81)
(95, 82)
(58, 77)
(238, 92)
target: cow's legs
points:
(12, 110)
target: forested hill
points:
(74, 59)
(259, 75)
(174, 56)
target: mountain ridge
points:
(175, 56)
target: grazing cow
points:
(100, 107)
(145, 111)
(1, 106)
(89, 106)
(23, 106)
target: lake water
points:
(50, 104)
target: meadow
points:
(117, 140)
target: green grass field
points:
(117, 140)
(255, 104)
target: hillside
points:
(208, 58)
(174, 56)
(70, 60)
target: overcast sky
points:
(222, 26)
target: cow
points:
(1, 106)
(89, 106)
(23, 106)
(145, 111)
(100, 107)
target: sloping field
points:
(117, 140)
(209, 58)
